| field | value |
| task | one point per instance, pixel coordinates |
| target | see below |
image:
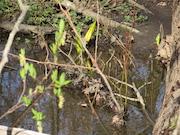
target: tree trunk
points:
(168, 121)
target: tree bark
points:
(168, 121)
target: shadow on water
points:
(74, 119)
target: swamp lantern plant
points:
(79, 46)
(87, 37)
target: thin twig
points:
(140, 98)
(51, 63)
(125, 97)
(24, 9)
(24, 89)
(97, 32)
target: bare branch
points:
(24, 9)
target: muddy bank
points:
(145, 43)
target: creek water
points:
(73, 119)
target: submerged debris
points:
(118, 121)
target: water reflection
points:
(74, 119)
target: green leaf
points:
(40, 87)
(32, 71)
(63, 38)
(26, 66)
(88, 63)
(27, 41)
(57, 84)
(26, 101)
(62, 78)
(34, 112)
(23, 73)
(22, 57)
(61, 27)
(54, 75)
(101, 3)
(18, 38)
(174, 122)
(60, 35)
(127, 18)
(22, 52)
(55, 91)
(30, 91)
(79, 47)
(66, 82)
(61, 82)
(39, 116)
(158, 39)
(89, 33)
(54, 48)
(57, 35)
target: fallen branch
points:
(140, 98)
(102, 19)
(140, 6)
(24, 28)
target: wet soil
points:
(74, 119)
(145, 42)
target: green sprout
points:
(158, 39)
(38, 116)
